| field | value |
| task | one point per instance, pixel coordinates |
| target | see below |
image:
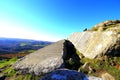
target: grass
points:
(110, 65)
(109, 27)
(7, 70)
(6, 63)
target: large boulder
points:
(65, 74)
(94, 44)
(46, 59)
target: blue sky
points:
(53, 20)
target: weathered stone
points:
(46, 59)
(42, 61)
(107, 76)
(94, 44)
(65, 74)
(107, 23)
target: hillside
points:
(17, 46)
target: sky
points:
(53, 20)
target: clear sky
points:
(52, 20)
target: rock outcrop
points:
(65, 74)
(103, 40)
(107, 25)
(47, 59)
(94, 44)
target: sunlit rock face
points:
(93, 44)
(42, 61)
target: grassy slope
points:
(7, 72)
(102, 65)
(21, 47)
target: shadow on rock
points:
(70, 58)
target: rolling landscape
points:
(14, 47)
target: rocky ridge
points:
(108, 25)
(103, 40)
(95, 44)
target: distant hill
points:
(15, 45)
